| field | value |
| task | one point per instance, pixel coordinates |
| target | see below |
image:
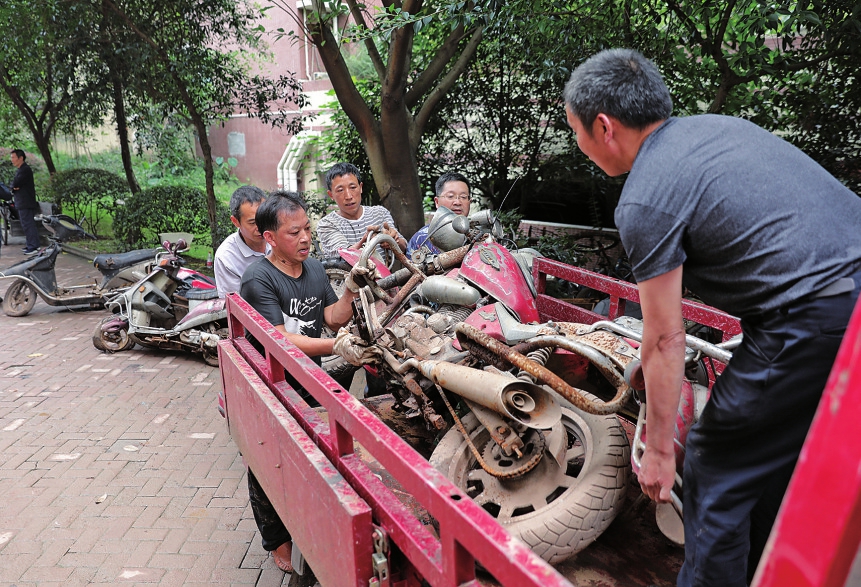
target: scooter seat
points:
(201, 294)
(113, 261)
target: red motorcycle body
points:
(352, 257)
(492, 268)
(194, 279)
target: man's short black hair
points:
(20, 153)
(447, 177)
(279, 202)
(339, 169)
(620, 83)
(246, 194)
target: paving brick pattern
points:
(115, 469)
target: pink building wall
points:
(257, 147)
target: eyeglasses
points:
(452, 197)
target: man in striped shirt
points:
(349, 225)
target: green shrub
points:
(88, 195)
(225, 226)
(165, 209)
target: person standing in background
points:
(243, 247)
(24, 192)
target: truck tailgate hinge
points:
(380, 559)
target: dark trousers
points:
(273, 533)
(741, 453)
(28, 224)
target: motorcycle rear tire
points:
(110, 342)
(555, 521)
(339, 370)
(19, 299)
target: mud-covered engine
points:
(421, 334)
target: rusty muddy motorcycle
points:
(521, 415)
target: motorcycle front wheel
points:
(556, 510)
(20, 299)
(113, 340)
(4, 225)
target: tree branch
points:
(370, 46)
(400, 54)
(447, 82)
(351, 100)
(431, 73)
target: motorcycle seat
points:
(201, 294)
(113, 261)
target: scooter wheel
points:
(20, 299)
(114, 340)
(210, 359)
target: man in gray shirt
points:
(756, 228)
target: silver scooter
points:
(35, 277)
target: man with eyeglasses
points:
(452, 191)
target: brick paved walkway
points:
(115, 469)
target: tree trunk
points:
(394, 165)
(398, 186)
(123, 134)
(44, 145)
(209, 172)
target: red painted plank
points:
(318, 506)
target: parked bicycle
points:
(7, 212)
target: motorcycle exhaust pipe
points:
(526, 403)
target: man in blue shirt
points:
(452, 191)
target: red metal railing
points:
(276, 431)
(620, 292)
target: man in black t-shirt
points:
(291, 290)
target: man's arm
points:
(21, 175)
(340, 313)
(663, 357)
(313, 347)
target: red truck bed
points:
(346, 519)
